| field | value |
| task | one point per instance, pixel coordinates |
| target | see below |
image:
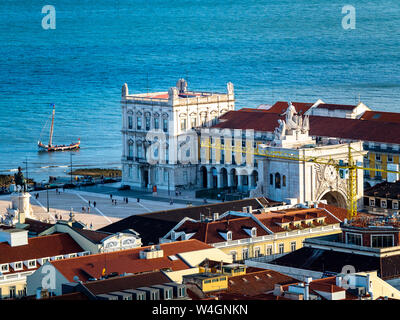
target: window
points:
(32, 263)
(147, 123)
(284, 181)
(395, 205)
(256, 252)
(389, 158)
(229, 235)
(271, 179)
(165, 175)
(183, 124)
(377, 157)
(130, 150)
(130, 123)
(293, 246)
(156, 123)
(139, 123)
(168, 294)
(193, 122)
(18, 266)
(44, 260)
(383, 204)
(181, 292)
(139, 151)
(281, 248)
(12, 292)
(372, 202)
(277, 181)
(4, 268)
(382, 241)
(268, 251)
(245, 254)
(254, 232)
(354, 238)
(234, 255)
(165, 125)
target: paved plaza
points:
(61, 203)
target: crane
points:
(347, 170)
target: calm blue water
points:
(271, 50)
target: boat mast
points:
(52, 124)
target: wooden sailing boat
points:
(50, 147)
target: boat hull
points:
(72, 146)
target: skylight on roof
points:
(173, 258)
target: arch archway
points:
(203, 175)
(224, 177)
(234, 178)
(214, 177)
(335, 198)
(254, 178)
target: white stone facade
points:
(155, 125)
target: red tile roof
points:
(94, 236)
(256, 283)
(126, 261)
(209, 232)
(281, 106)
(39, 247)
(353, 129)
(381, 116)
(127, 282)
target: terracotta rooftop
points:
(93, 236)
(161, 222)
(126, 282)
(36, 226)
(209, 232)
(354, 129)
(281, 106)
(381, 116)
(256, 283)
(39, 247)
(128, 261)
(390, 190)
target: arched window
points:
(229, 235)
(271, 179)
(284, 181)
(277, 180)
(254, 232)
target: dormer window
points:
(229, 235)
(4, 268)
(17, 266)
(32, 264)
(254, 232)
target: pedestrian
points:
(127, 200)
(138, 199)
(171, 202)
(83, 209)
(89, 203)
(110, 196)
(115, 201)
(94, 204)
(88, 209)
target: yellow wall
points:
(212, 285)
(5, 288)
(275, 244)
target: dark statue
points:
(19, 179)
